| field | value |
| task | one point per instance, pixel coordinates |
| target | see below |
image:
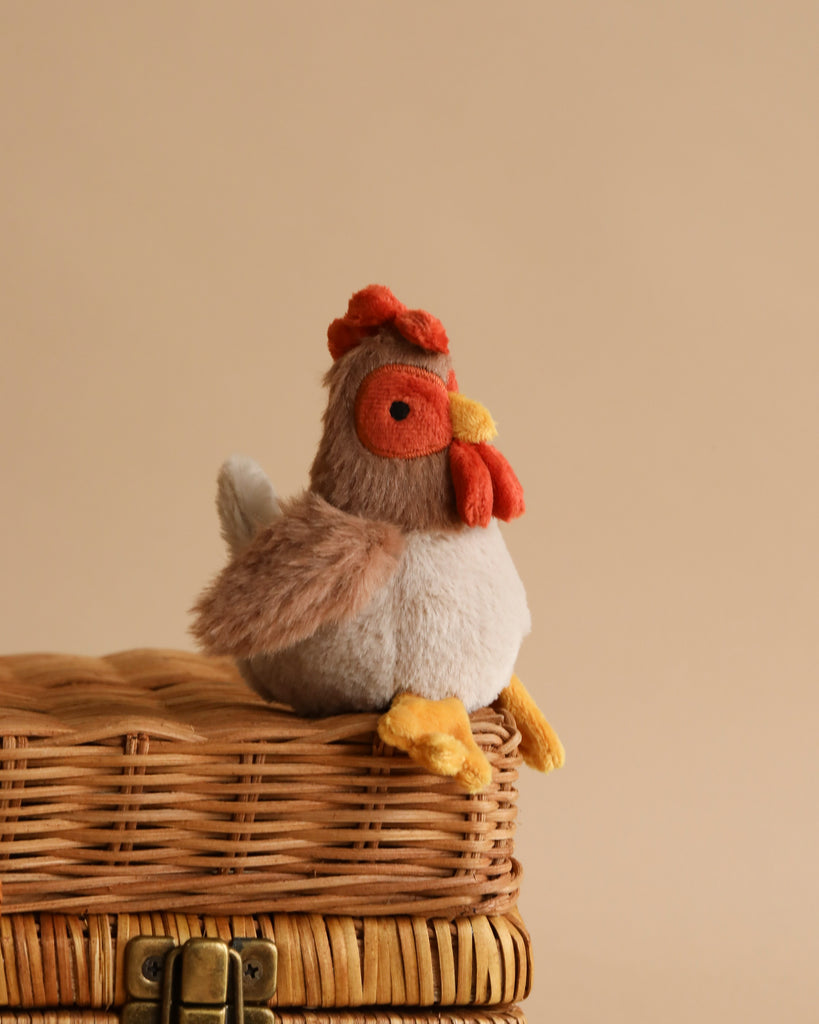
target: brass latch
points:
(205, 981)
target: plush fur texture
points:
(449, 621)
(420, 425)
(472, 482)
(485, 484)
(539, 745)
(422, 329)
(388, 582)
(507, 493)
(470, 420)
(245, 501)
(313, 566)
(416, 494)
(375, 307)
(437, 734)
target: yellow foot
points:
(437, 735)
(539, 745)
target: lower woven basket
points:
(152, 793)
(498, 1015)
(476, 967)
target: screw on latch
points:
(152, 967)
(252, 969)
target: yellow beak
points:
(470, 420)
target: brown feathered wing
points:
(313, 565)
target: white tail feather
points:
(245, 500)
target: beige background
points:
(613, 208)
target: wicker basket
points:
(152, 792)
(505, 1015)
(330, 962)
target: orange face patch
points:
(402, 412)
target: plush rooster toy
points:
(387, 585)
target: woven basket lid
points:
(156, 780)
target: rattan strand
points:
(158, 780)
(50, 960)
(70, 1017)
(501, 1015)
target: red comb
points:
(375, 306)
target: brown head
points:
(400, 443)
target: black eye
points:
(399, 410)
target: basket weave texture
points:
(497, 1015)
(157, 781)
(51, 960)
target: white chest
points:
(449, 623)
(459, 615)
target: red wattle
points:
(473, 483)
(508, 500)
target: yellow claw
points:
(437, 735)
(539, 745)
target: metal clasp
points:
(204, 981)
